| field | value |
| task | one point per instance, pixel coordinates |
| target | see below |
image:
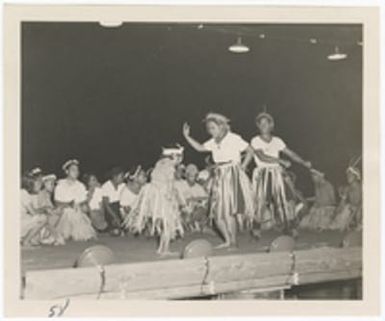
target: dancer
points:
(268, 183)
(32, 222)
(136, 179)
(322, 212)
(349, 212)
(71, 197)
(231, 196)
(158, 205)
(95, 202)
(111, 191)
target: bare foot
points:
(167, 253)
(223, 245)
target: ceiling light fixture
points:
(111, 24)
(239, 47)
(313, 41)
(337, 55)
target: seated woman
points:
(95, 202)
(45, 205)
(32, 222)
(349, 212)
(71, 198)
(136, 179)
(323, 209)
(111, 191)
(195, 200)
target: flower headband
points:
(178, 150)
(130, 176)
(355, 171)
(69, 163)
(49, 177)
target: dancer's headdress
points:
(49, 177)
(355, 171)
(70, 163)
(264, 115)
(218, 118)
(169, 151)
(133, 174)
(35, 171)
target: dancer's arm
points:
(194, 144)
(296, 158)
(248, 157)
(270, 159)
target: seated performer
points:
(45, 205)
(195, 199)
(349, 212)
(322, 212)
(231, 196)
(32, 222)
(111, 191)
(158, 204)
(136, 178)
(95, 202)
(71, 197)
(268, 182)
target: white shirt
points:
(26, 202)
(95, 202)
(272, 148)
(127, 197)
(109, 190)
(67, 191)
(228, 150)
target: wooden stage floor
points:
(130, 249)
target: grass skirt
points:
(75, 225)
(231, 193)
(319, 218)
(272, 206)
(157, 208)
(344, 219)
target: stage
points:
(131, 249)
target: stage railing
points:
(188, 278)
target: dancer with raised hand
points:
(231, 195)
(268, 181)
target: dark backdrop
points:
(114, 96)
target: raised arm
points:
(296, 158)
(194, 144)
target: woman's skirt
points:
(344, 219)
(75, 225)
(156, 209)
(272, 206)
(319, 218)
(231, 194)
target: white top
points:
(188, 192)
(109, 190)
(95, 202)
(67, 191)
(127, 197)
(272, 148)
(26, 202)
(228, 150)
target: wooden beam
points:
(177, 279)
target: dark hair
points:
(27, 182)
(86, 178)
(115, 171)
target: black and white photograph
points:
(192, 160)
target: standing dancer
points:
(231, 195)
(158, 203)
(268, 181)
